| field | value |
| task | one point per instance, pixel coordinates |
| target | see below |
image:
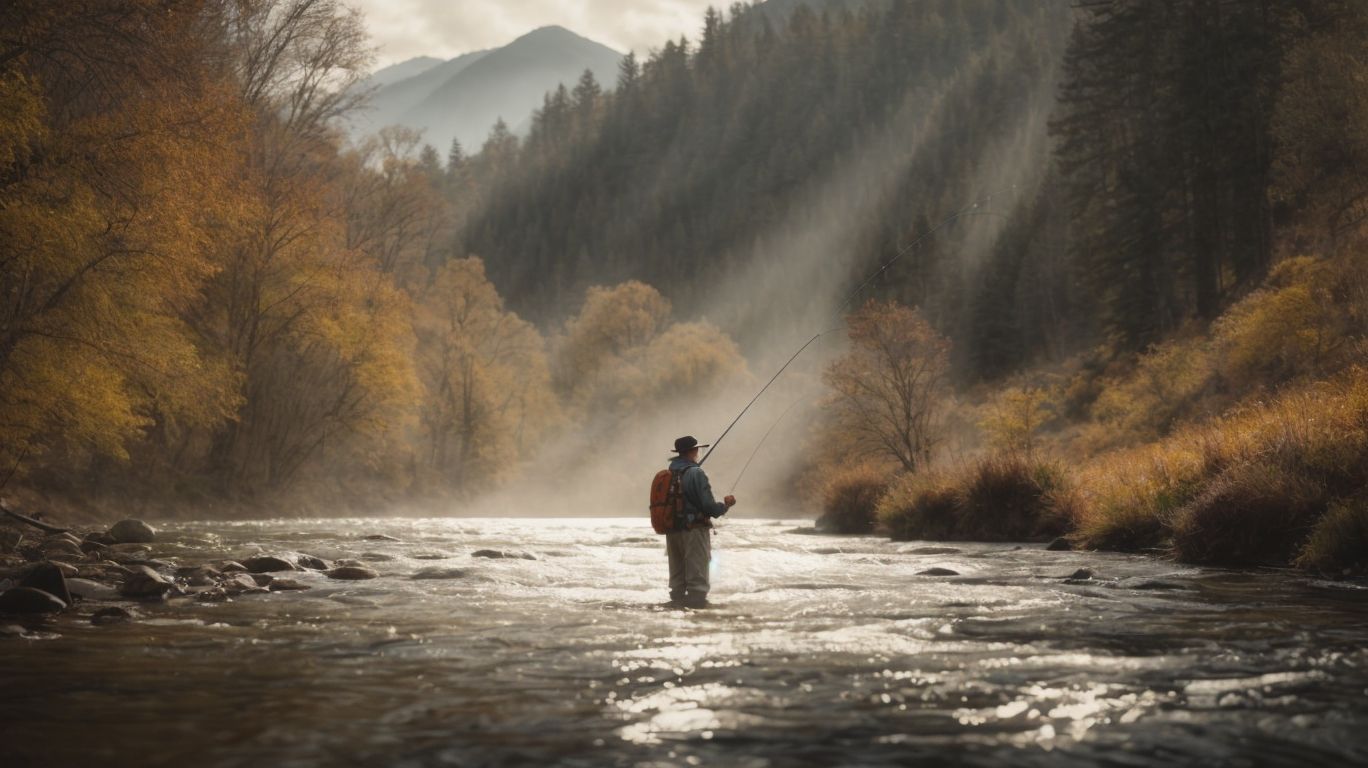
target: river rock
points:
(352, 573)
(379, 537)
(287, 585)
(432, 556)
(1060, 544)
(231, 566)
(1082, 574)
(145, 583)
(938, 572)
(240, 583)
(268, 563)
(500, 555)
(435, 572)
(91, 590)
(49, 578)
(111, 615)
(57, 548)
(199, 575)
(28, 600)
(94, 548)
(376, 557)
(262, 579)
(132, 531)
(313, 563)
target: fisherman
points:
(690, 545)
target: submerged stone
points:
(111, 615)
(352, 573)
(440, 573)
(938, 572)
(313, 563)
(1060, 544)
(496, 554)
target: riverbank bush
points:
(849, 499)
(1006, 497)
(1257, 486)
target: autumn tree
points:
(889, 390)
(110, 117)
(488, 387)
(1013, 418)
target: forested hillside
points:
(879, 120)
(209, 294)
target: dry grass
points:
(849, 499)
(1249, 488)
(1002, 498)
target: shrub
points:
(1002, 498)
(850, 497)
(920, 506)
(1339, 540)
(1253, 513)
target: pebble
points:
(352, 573)
(132, 531)
(29, 600)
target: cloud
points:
(402, 29)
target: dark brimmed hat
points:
(687, 443)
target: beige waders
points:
(690, 555)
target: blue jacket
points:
(699, 504)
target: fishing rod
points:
(968, 210)
(751, 458)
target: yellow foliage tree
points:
(489, 397)
(1014, 416)
(110, 125)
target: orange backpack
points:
(667, 501)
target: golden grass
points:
(1000, 498)
(849, 499)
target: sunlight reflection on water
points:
(821, 650)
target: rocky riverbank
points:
(105, 574)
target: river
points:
(820, 650)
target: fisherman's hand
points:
(730, 501)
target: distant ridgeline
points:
(1129, 165)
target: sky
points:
(403, 29)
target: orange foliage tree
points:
(889, 390)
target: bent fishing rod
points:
(969, 210)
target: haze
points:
(403, 29)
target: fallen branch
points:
(35, 523)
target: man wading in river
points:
(690, 544)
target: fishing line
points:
(969, 210)
(746, 466)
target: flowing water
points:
(819, 651)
